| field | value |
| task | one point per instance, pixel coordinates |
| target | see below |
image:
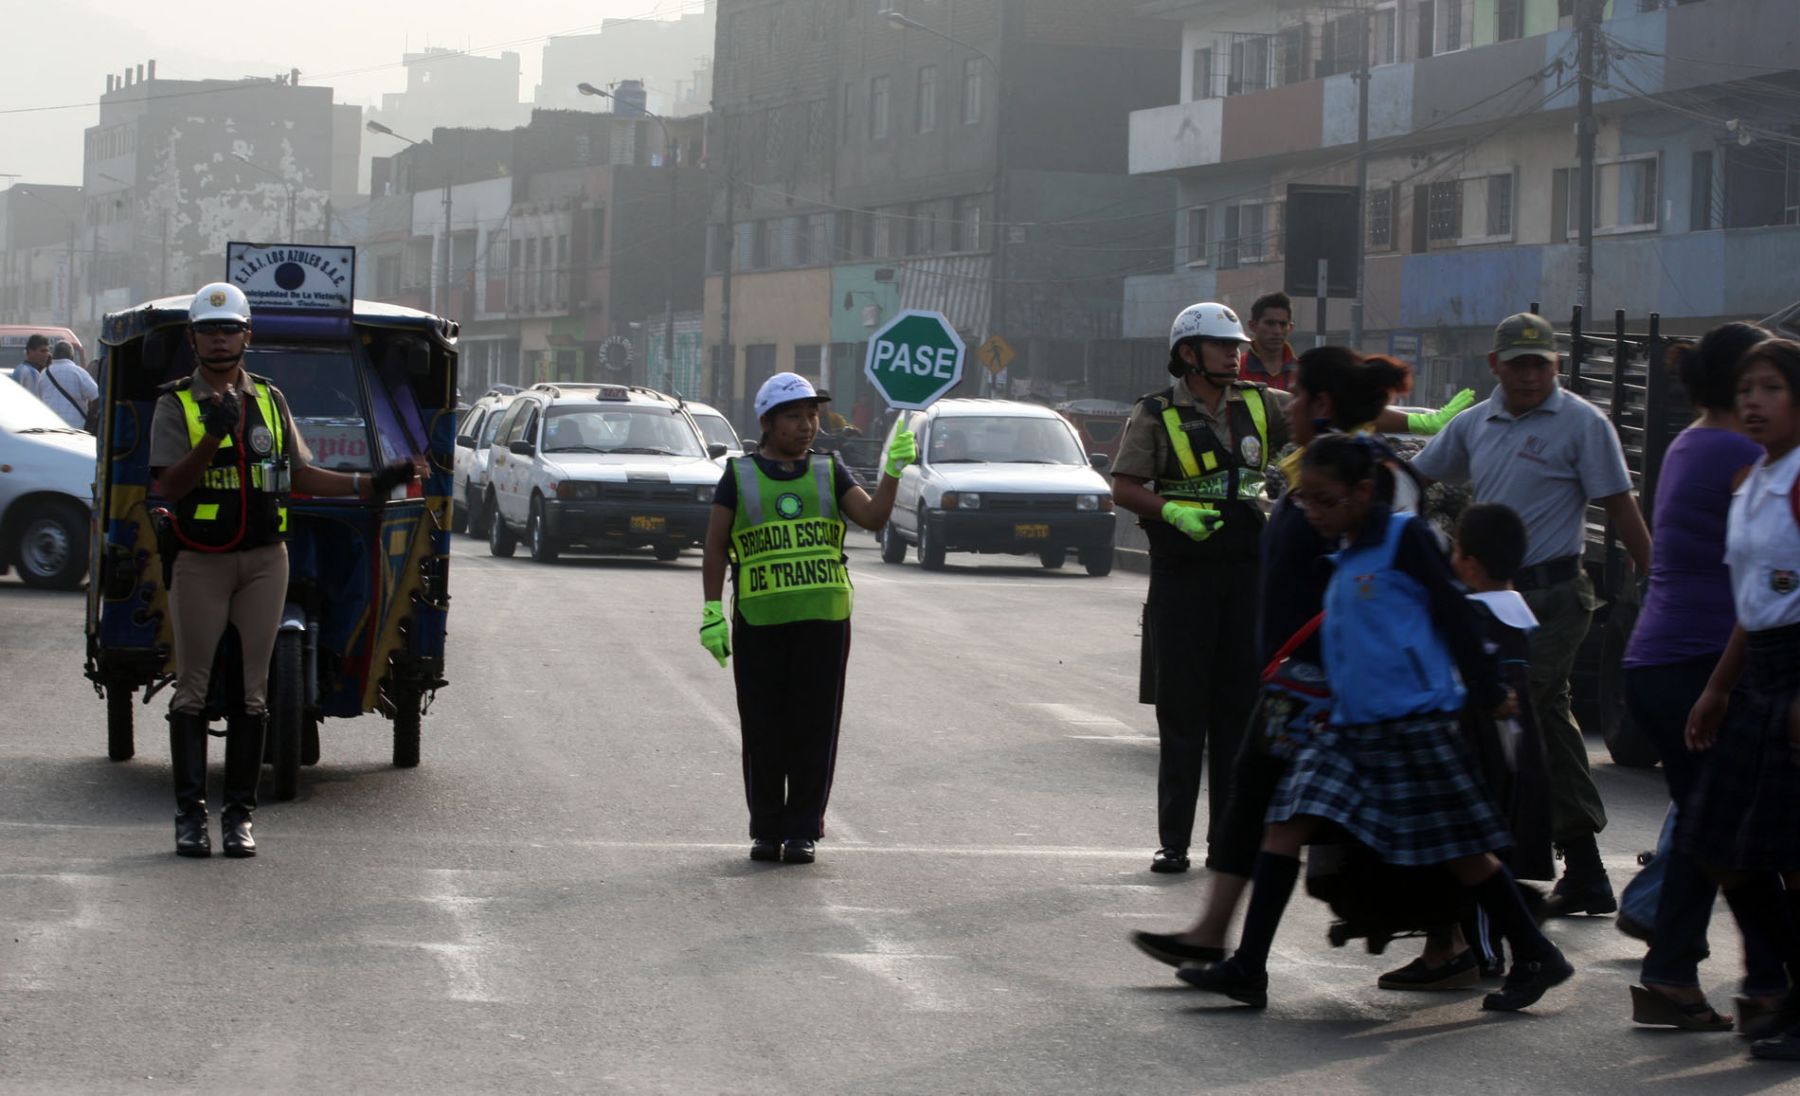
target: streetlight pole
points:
(444, 259)
(672, 152)
(280, 178)
(1001, 228)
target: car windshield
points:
(1002, 439)
(718, 431)
(326, 400)
(619, 428)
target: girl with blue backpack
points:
(1404, 649)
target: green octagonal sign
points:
(915, 359)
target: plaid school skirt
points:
(1744, 814)
(1404, 788)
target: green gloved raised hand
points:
(1431, 422)
(1195, 522)
(715, 631)
(902, 451)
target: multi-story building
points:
(673, 58)
(175, 169)
(967, 156)
(1473, 204)
(448, 87)
(566, 243)
(40, 230)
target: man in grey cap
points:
(1547, 453)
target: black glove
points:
(383, 482)
(222, 414)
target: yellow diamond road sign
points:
(996, 354)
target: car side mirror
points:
(465, 441)
(1100, 462)
(523, 448)
(715, 450)
(750, 444)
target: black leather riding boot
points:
(187, 756)
(243, 769)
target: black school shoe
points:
(1528, 982)
(1229, 980)
(1780, 1048)
(1169, 861)
(799, 850)
(1573, 897)
(764, 849)
(1171, 949)
(1418, 975)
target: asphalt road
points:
(558, 899)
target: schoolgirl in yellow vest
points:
(779, 518)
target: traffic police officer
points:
(1191, 465)
(225, 452)
(778, 516)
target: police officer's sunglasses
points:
(219, 327)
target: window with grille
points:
(926, 106)
(1443, 211)
(1381, 218)
(1499, 205)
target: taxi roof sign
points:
(308, 277)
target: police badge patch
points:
(262, 443)
(788, 506)
(1784, 582)
(1252, 450)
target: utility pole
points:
(725, 366)
(1362, 182)
(1587, 14)
(1002, 207)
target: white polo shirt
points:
(1762, 546)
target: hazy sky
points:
(59, 52)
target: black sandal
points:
(1657, 1009)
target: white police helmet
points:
(1207, 320)
(219, 301)
(786, 388)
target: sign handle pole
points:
(1324, 273)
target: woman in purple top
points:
(1685, 624)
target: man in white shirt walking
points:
(64, 386)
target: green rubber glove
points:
(1431, 422)
(902, 451)
(1195, 522)
(715, 631)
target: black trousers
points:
(1202, 621)
(790, 689)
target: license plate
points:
(649, 525)
(1031, 532)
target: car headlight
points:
(704, 492)
(577, 490)
(1087, 502)
(963, 500)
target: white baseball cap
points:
(786, 388)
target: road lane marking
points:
(892, 959)
(1080, 717)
